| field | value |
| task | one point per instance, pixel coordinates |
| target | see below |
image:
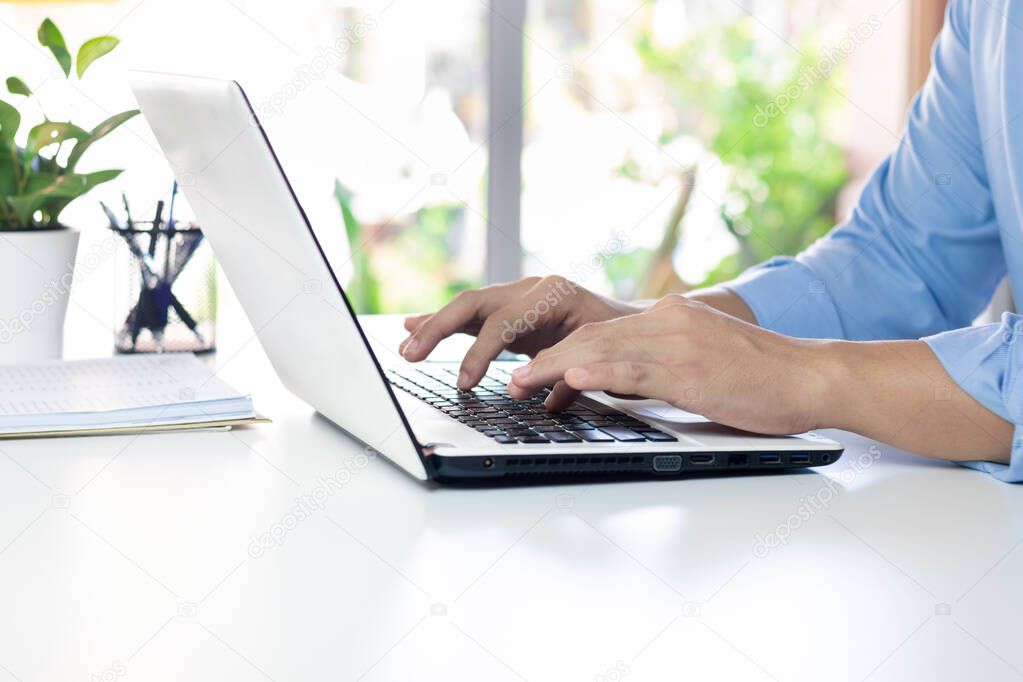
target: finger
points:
(639, 338)
(622, 339)
(412, 322)
(501, 329)
(562, 395)
(548, 368)
(442, 324)
(632, 378)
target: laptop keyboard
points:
(490, 410)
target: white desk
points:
(131, 557)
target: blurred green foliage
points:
(419, 248)
(786, 170)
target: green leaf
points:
(50, 132)
(51, 37)
(93, 49)
(10, 119)
(103, 129)
(16, 86)
(344, 200)
(8, 174)
(59, 190)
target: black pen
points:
(170, 232)
(115, 222)
(155, 229)
(127, 211)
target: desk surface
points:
(281, 552)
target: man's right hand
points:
(523, 317)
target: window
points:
(664, 145)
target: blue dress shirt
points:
(937, 226)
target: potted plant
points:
(39, 177)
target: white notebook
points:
(123, 393)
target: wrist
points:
(727, 302)
(834, 366)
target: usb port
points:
(701, 459)
(770, 459)
(799, 459)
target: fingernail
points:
(463, 379)
(522, 372)
(411, 347)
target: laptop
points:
(412, 414)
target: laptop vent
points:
(600, 464)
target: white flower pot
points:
(36, 273)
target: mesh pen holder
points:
(170, 302)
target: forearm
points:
(897, 392)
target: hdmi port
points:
(770, 459)
(701, 459)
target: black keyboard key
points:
(622, 434)
(561, 437)
(658, 436)
(594, 436)
(507, 440)
(531, 439)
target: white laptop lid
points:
(262, 239)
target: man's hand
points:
(705, 361)
(524, 317)
(694, 357)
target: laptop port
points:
(667, 463)
(799, 459)
(488, 463)
(770, 459)
(702, 460)
(737, 460)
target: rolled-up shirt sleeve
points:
(987, 362)
(788, 297)
(919, 255)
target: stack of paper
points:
(110, 395)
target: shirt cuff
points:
(987, 362)
(787, 297)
